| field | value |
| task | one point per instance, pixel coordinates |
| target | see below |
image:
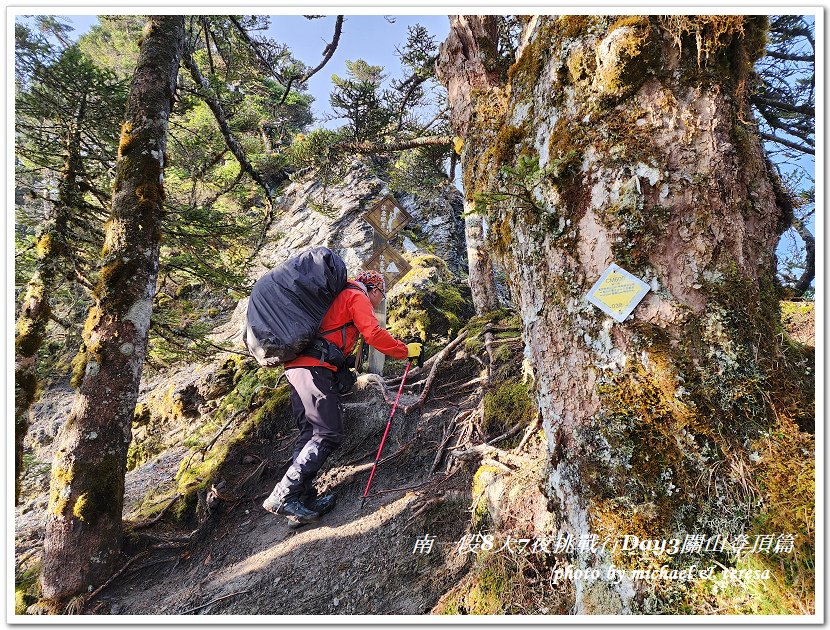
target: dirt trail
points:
(245, 560)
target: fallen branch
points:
(506, 434)
(416, 512)
(458, 389)
(488, 461)
(213, 601)
(467, 429)
(435, 482)
(257, 473)
(203, 450)
(221, 431)
(447, 436)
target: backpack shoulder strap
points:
(342, 329)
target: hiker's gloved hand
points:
(414, 350)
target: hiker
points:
(315, 395)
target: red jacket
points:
(352, 307)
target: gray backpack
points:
(287, 306)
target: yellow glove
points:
(414, 350)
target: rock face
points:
(625, 140)
(309, 215)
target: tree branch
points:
(792, 145)
(810, 256)
(219, 114)
(807, 110)
(414, 143)
(255, 49)
(779, 55)
(328, 51)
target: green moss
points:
(639, 228)
(487, 596)
(107, 482)
(141, 452)
(103, 481)
(487, 592)
(254, 398)
(793, 311)
(26, 588)
(431, 304)
(89, 350)
(126, 140)
(505, 146)
(503, 318)
(277, 401)
(725, 48)
(786, 475)
(510, 404)
(81, 507)
(59, 485)
(522, 75)
(634, 55)
(571, 26)
(482, 478)
(116, 274)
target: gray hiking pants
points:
(315, 404)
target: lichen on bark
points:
(643, 110)
(83, 528)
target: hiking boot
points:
(291, 508)
(321, 505)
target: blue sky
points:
(369, 37)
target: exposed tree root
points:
(506, 435)
(80, 602)
(213, 601)
(256, 475)
(434, 371)
(157, 517)
(440, 453)
(500, 455)
(530, 431)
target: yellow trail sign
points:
(617, 292)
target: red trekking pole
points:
(385, 433)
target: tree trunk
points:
(629, 140)
(482, 280)
(31, 327)
(83, 529)
(35, 309)
(466, 71)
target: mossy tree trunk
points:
(83, 529)
(35, 309)
(461, 67)
(630, 140)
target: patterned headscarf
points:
(372, 279)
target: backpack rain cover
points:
(288, 303)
